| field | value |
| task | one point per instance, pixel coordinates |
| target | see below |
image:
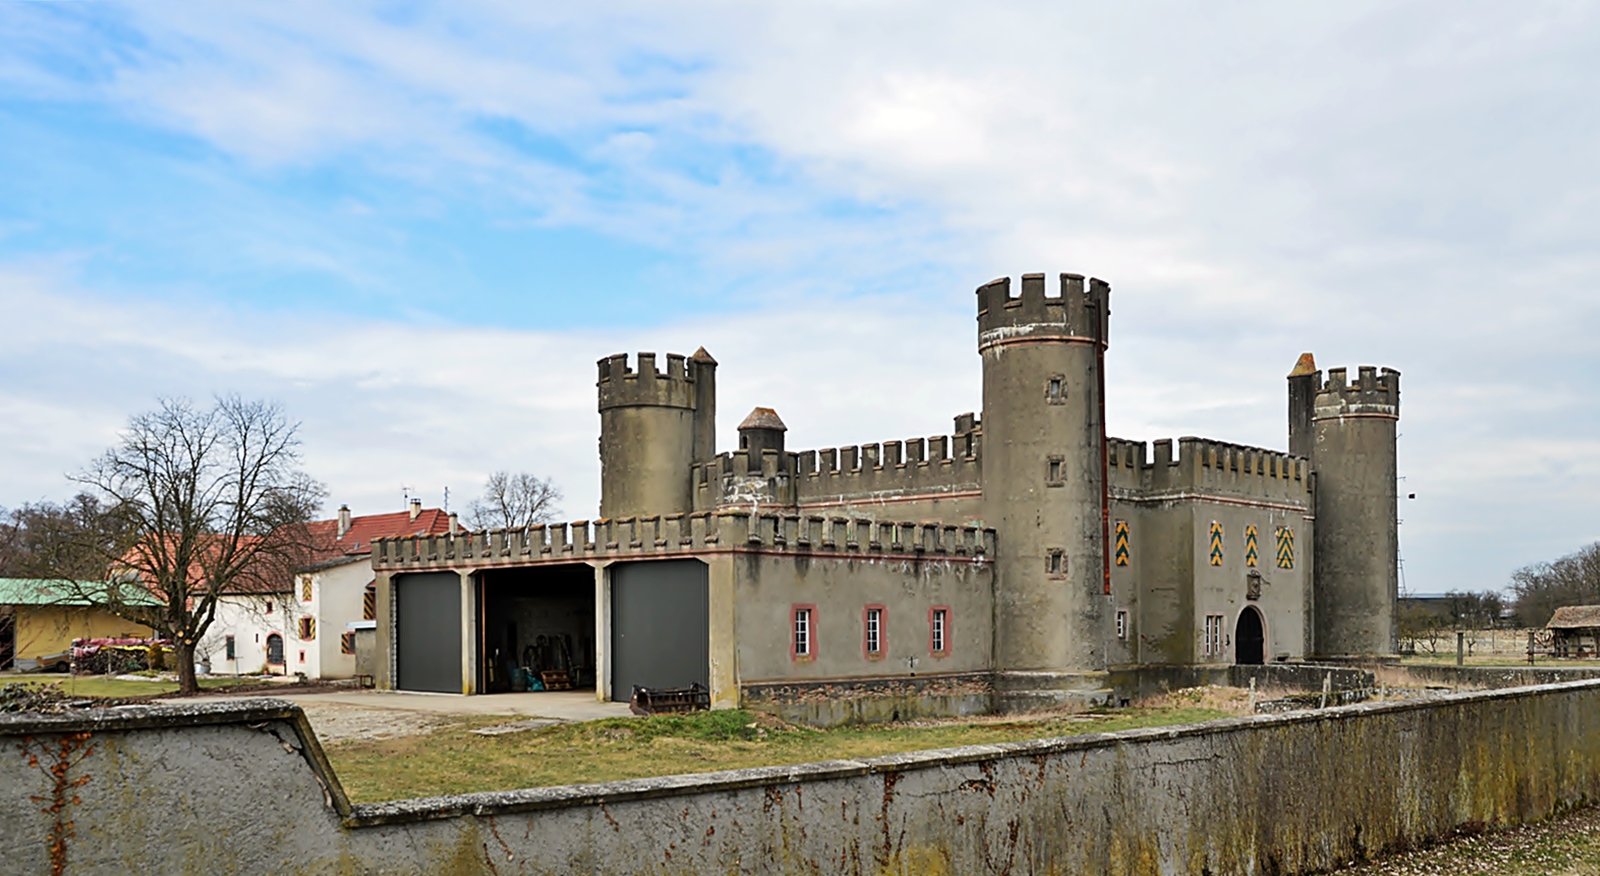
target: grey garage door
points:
(660, 626)
(428, 635)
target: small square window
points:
(1053, 468)
(269, 606)
(347, 643)
(1056, 562)
(1055, 389)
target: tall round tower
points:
(652, 425)
(1356, 571)
(1044, 477)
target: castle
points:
(1022, 560)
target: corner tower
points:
(653, 427)
(1044, 484)
(1356, 539)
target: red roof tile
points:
(358, 541)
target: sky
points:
(416, 227)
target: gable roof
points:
(358, 540)
(1569, 617)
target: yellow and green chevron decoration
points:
(1285, 547)
(1216, 543)
(1251, 556)
(1122, 542)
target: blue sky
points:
(418, 226)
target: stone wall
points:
(244, 788)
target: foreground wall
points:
(120, 791)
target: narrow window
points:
(1056, 562)
(1122, 623)
(308, 629)
(302, 656)
(939, 631)
(305, 588)
(369, 604)
(1055, 389)
(347, 643)
(1053, 471)
(269, 606)
(801, 645)
(229, 651)
(873, 631)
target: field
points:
(454, 759)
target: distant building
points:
(1014, 563)
(1575, 631)
(309, 624)
(40, 619)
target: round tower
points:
(1044, 477)
(651, 426)
(1356, 571)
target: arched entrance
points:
(1249, 638)
(274, 650)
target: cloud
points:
(1400, 185)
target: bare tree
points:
(512, 501)
(1542, 588)
(198, 503)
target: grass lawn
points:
(455, 760)
(1443, 659)
(100, 686)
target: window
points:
(939, 630)
(1213, 636)
(1055, 562)
(1122, 623)
(302, 656)
(305, 588)
(228, 649)
(1052, 476)
(347, 643)
(275, 649)
(872, 632)
(269, 606)
(308, 629)
(1055, 389)
(369, 604)
(802, 645)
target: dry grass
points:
(1568, 846)
(455, 760)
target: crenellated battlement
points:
(699, 532)
(1076, 312)
(1201, 464)
(915, 466)
(622, 386)
(1373, 394)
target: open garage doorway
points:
(1249, 638)
(536, 629)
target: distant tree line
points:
(1541, 588)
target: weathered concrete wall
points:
(122, 790)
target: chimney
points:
(344, 520)
(455, 523)
(416, 508)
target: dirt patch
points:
(337, 722)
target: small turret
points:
(760, 431)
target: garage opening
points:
(537, 629)
(428, 632)
(660, 626)
(1249, 637)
